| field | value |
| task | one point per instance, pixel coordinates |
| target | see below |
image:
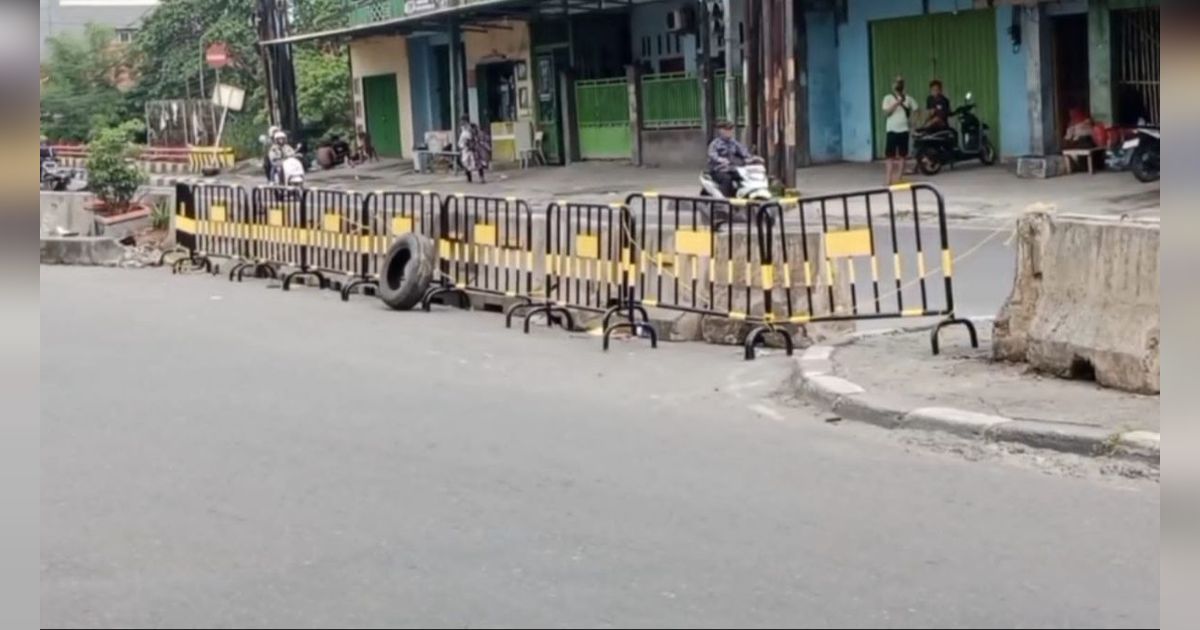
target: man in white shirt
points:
(898, 108)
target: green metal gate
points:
(383, 114)
(602, 112)
(959, 49)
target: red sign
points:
(217, 55)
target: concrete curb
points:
(813, 377)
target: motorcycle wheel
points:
(987, 152)
(1144, 165)
(928, 162)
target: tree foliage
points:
(112, 174)
(81, 91)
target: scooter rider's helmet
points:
(279, 137)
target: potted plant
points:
(113, 175)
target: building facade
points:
(644, 79)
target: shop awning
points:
(477, 13)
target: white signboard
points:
(229, 97)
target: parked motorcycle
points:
(55, 177)
(1144, 150)
(946, 145)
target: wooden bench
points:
(1088, 155)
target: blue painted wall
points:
(420, 66)
(853, 59)
(824, 88)
(1014, 104)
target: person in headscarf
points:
(474, 149)
(1079, 130)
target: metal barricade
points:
(281, 229)
(710, 257)
(852, 232)
(387, 215)
(339, 221)
(485, 246)
(215, 217)
(589, 254)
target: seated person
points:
(937, 108)
(1079, 131)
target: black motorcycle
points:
(1145, 158)
(55, 177)
(935, 147)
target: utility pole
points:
(731, 83)
(752, 58)
(704, 34)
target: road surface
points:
(220, 455)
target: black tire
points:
(987, 152)
(1144, 165)
(407, 271)
(928, 161)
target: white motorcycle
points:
(751, 181)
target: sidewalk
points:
(962, 391)
(991, 195)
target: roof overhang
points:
(470, 15)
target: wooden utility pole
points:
(752, 59)
(731, 69)
(704, 34)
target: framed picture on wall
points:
(522, 73)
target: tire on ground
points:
(407, 271)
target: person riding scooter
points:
(279, 151)
(725, 154)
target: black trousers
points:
(726, 181)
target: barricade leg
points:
(174, 249)
(261, 270)
(355, 284)
(952, 321)
(554, 315)
(521, 305)
(444, 288)
(193, 262)
(322, 281)
(758, 335)
(629, 310)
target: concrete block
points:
(81, 250)
(1085, 301)
(66, 210)
(956, 421)
(1041, 166)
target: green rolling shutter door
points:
(958, 49)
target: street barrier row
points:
(764, 268)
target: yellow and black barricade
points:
(278, 227)
(485, 246)
(710, 257)
(339, 222)
(387, 215)
(852, 237)
(211, 220)
(589, 254)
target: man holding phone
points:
(898, 108)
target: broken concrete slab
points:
(1085, 301)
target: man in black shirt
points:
(937, 107)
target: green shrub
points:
(113, 175)
(160, 215)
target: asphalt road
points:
(218, 455)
